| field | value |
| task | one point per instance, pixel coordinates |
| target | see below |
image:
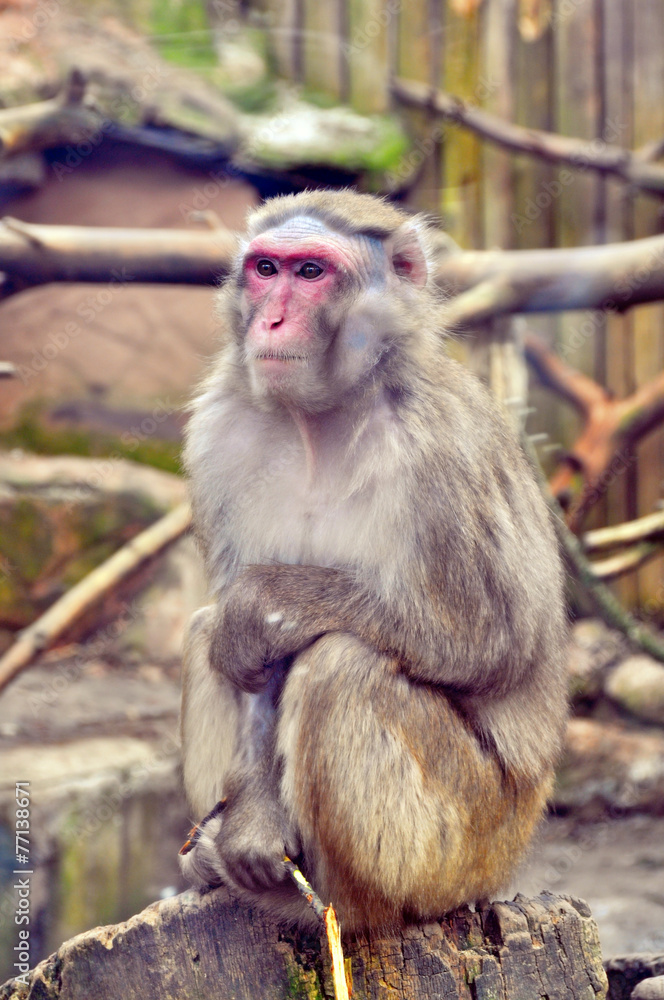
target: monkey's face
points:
(308, 298)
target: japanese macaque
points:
(377, 689)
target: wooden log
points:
(615, 276)
(191, 946)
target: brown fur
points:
(379, 682)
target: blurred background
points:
(166, 115)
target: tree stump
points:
(193, 946)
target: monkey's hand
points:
(268, 613)
(257, 625)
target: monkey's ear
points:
(407, 253)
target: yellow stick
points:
(329, 917)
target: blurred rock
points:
(75, 480)
(649, 989)
(127, 79)
(594, 648)
(626, 971)
(637, 685)
(608, 769)
(301, 134)
(79, 692)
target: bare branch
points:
(61, 615)
(625, 562)
(606, 603)
(566, 382)
(648, 528)
(33, 255)
(612, 428)
(614, 276)
(577, 153)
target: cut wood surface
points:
(193, 946)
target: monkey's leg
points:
(209, 718)
(401, 812)
(242, 841)
(228, 741)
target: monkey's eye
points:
(310, 270)
(265, 268)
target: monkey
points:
(376, 688)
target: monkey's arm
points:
(271, 612)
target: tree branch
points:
(648, 528)
(612, 428)
(625, 562)
(606, 603)
(594, 155)
(33, 255)
(614, 276)
(571, 385)
(51, 625)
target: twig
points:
(329, 917)
(607, 605)
(60, 616)
(554, 148)
(305, 888)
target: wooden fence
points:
(587, 68)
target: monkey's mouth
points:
(278, 356)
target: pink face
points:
(290, 274)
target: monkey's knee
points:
(369, 826)
(400, 809)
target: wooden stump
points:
(193, 946)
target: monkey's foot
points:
(196, 831)
(198, 853)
